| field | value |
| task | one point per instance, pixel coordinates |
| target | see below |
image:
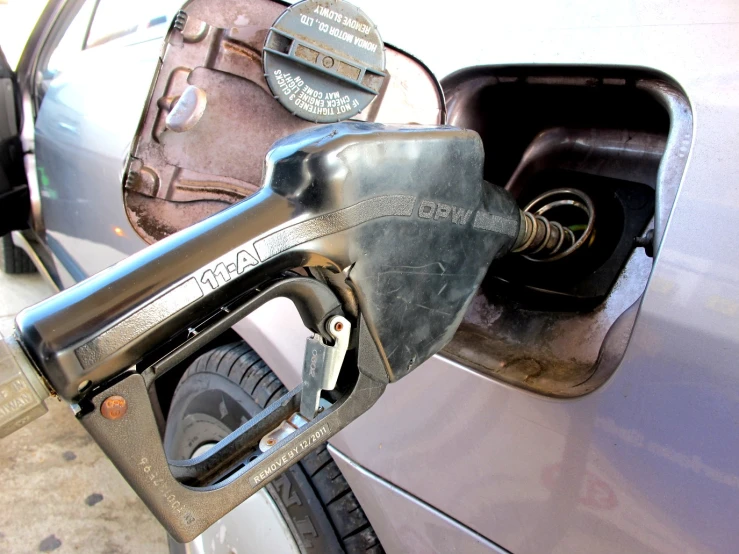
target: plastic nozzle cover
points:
(22, 393)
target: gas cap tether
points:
(324, 60)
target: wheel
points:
(308, 509)
(13, 259)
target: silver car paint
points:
(648, 463)
(83, 133)
(415, 526)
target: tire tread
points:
(13, 259)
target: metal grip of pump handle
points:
(400, 216)
(403, 212)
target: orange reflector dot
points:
(118, 231)
(114, 407)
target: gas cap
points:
(324, 60)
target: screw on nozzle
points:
(114, 407)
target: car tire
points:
(230, 384)
(13, 259)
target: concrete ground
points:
(58, 491)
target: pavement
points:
(58, 491)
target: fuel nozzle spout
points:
(568, 226)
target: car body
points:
(454, 458)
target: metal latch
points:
(322, 364)
(287, 427)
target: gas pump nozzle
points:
(398, 226)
